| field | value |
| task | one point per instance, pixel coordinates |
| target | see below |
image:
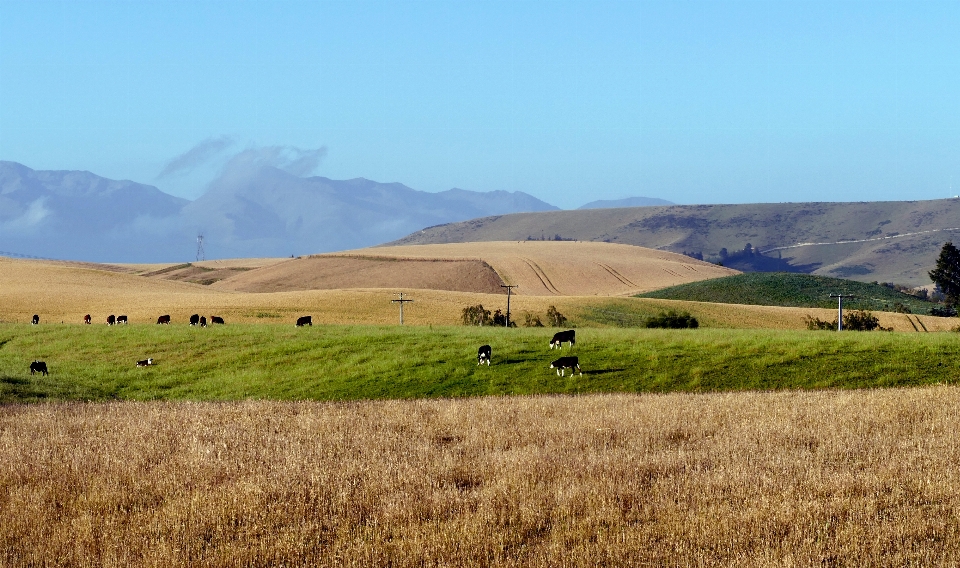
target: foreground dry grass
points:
(755, 479)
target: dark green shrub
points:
(862, 320)
(943, 311)
(555, 318)
(476, 315)
(673, 320)
(817, 323)
(531, 320)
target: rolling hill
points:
(63, 292)
(537, 268)
(796, 290)
(892, 241)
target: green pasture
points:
(792, 289)
(372, 362)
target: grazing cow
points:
(305, 320)
(216, 319)
(111, 319)
(564, 363)
(122, 319)
(561, 336)
(483, 355)
(87, 319)
(194, 319)
(145, 362)
(163, 319)
(203, 321)
(38, 367)
(35, 320)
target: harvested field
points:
(564, 268)
(241, 263)
(752, 479)
(61, 292)
(338, 272)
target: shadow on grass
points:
(603, 371)
(16, 389)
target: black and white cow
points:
(564, 363)
(122, 319)
(38, 367)
(305, 320)
(483, 355)
(145, 362)
(216, 319)
(112, 319)
(35, 320)
(203, 321)
(194, 319)
(87, 319)
(165, 319)
(569, 336)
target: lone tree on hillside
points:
(947, 273)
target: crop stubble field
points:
(829, 478)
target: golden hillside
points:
(65, 292)
(545, 268)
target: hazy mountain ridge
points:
(250, 210)
(898, 241)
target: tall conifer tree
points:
(946, 275)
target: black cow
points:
(216, 319)
(163, 319)
(112, 319)
(145, 362)
(87, 319)
(483, 355)
(194, 319)
(561, 336)
(35, 320)
(38, 367)
(203, 321)
(564, 363)
(305, 320)
(122, 319)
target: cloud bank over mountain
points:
(259, 205)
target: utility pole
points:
(840, 298)
(509, 289)
(200, 253)
(401, 301)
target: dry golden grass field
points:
(544, 268)
(564, 268)
(831, 478)
(65, 292)
(342, 272)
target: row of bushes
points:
(853, 320)
(478, 315)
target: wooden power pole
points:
(401, 301)
(509, 288)
(840, 298)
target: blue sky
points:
(695, 102)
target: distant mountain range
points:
(887, 241)
(250, 210)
